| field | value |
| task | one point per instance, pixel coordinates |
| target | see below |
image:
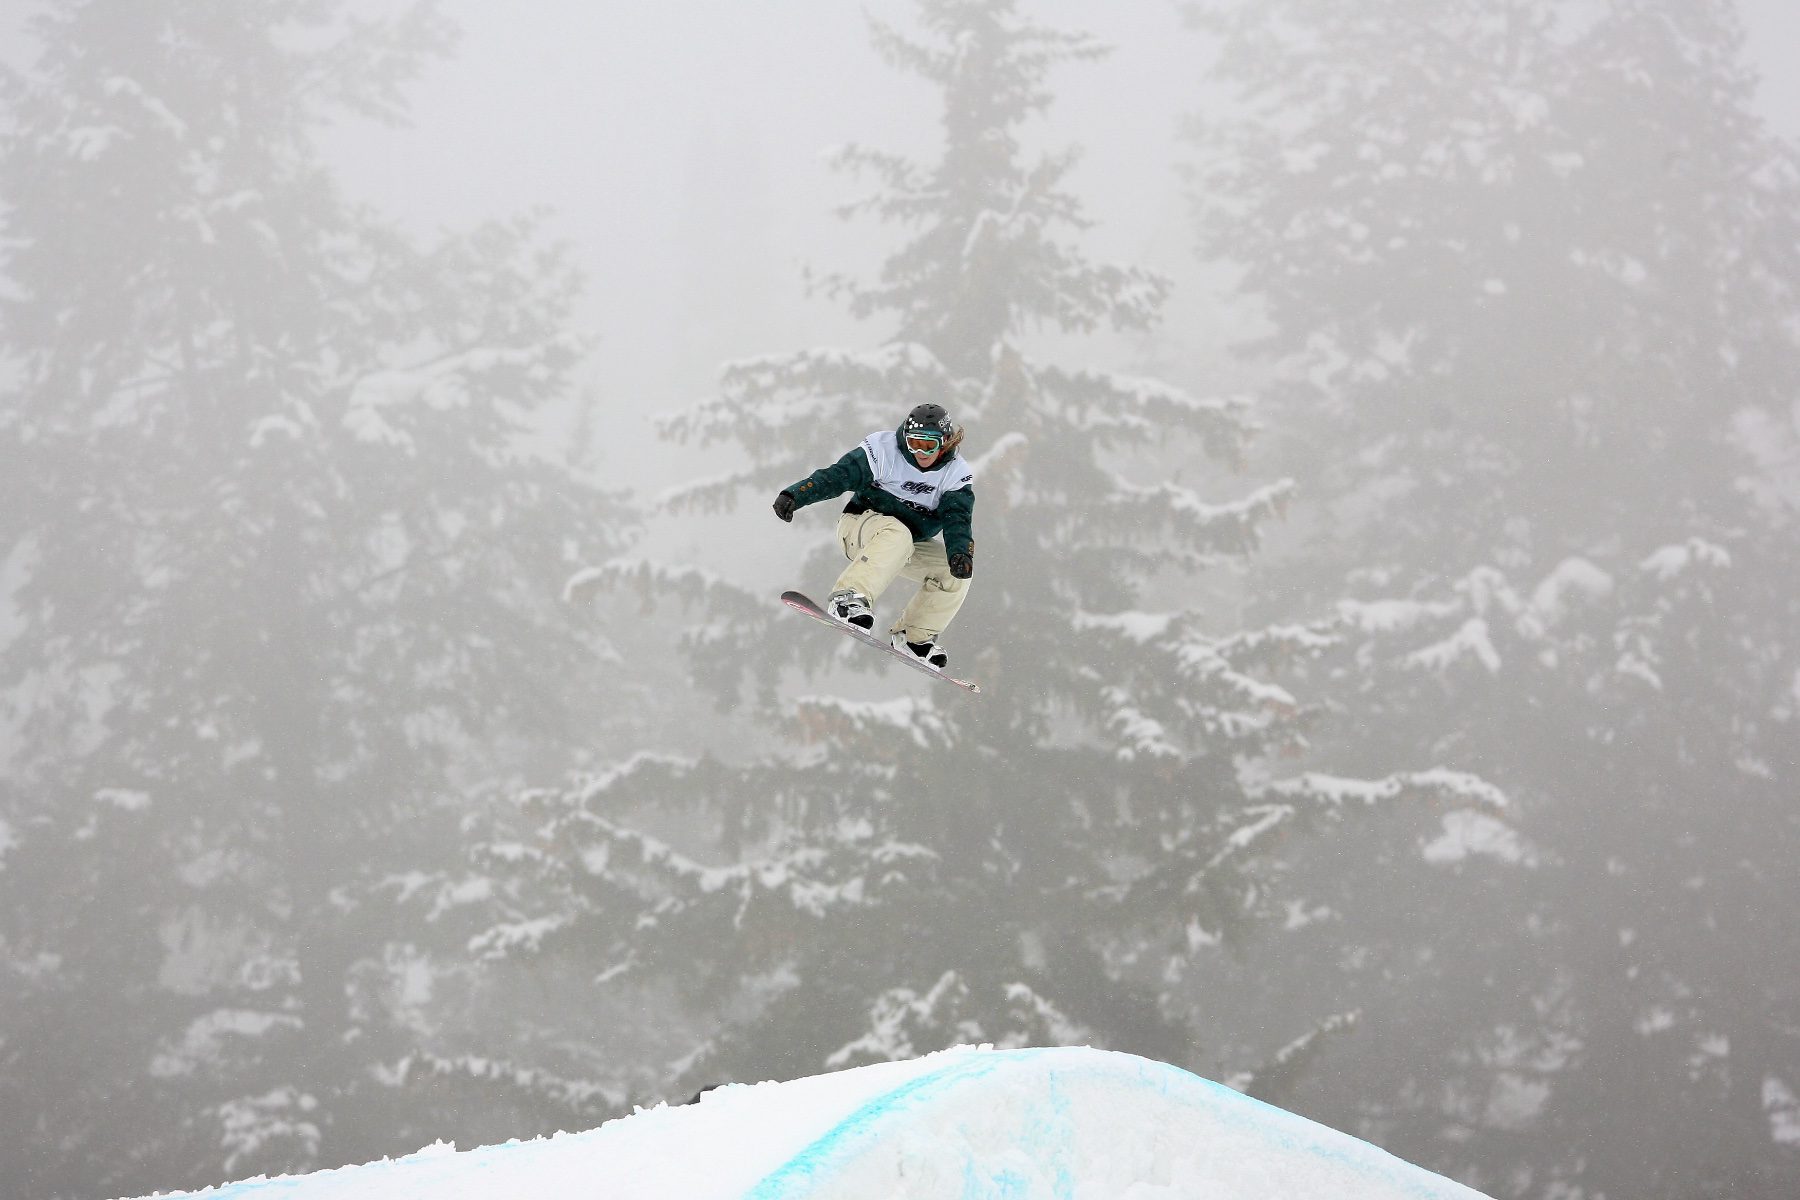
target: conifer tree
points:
(891, 876)
(282, 576)
(1531, 280)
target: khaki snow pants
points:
(880, 548)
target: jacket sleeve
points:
(958, 510)
(848, 474)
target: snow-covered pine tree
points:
(280, 578)
(1531, 271)
(890, 876)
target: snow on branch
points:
(122, 85)
(713, 493)
(998, 454)
(1202, 863)
(1289, 1062)
(661, 889)
(1392, 616)
(514, 938)
(1149, 411)
(1262, 822)
(811, 879)
(441, 383)
(206, 1035)
(902, 1023)
(896, 174)
(1275, 644)
(1670, 561)
(1231, 528)
(919, 720)
(1135, 627)
(1139, 734)
(574, 1096)
(1481, 604)
(791, 394)
(1436, 783)
(1203, 875)
(609, 849)
(895, 1019)
(1205, 661)
(446, 894)
(592, 784)
(1448, 785)
(1025, 1002)
(1467, 834)
(1574, 581)
(656, 579)
(1470, 641)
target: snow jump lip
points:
(1076, 1122)
(973, 1123)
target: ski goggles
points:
(921, 441)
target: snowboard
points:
(801, 603)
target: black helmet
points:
(928, 429)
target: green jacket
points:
(884, 478)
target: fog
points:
(1381, 567)
(691, 142)
(696, 133)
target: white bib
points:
(896, 475)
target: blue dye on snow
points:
(1047, 1134)
(831, 1147)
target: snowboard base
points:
(801, 603)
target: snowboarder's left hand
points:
(962, 564)
(784, 506)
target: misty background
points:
(1387, 437)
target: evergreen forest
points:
(1386, 588)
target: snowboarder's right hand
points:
(784, 506)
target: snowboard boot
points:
(926, 652)
(851, 609)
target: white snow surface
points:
(973, 1122)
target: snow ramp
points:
(965, 1124)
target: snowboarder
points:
(907, 485)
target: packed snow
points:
(971, 1122)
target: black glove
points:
(784, 506)
(962, 564)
